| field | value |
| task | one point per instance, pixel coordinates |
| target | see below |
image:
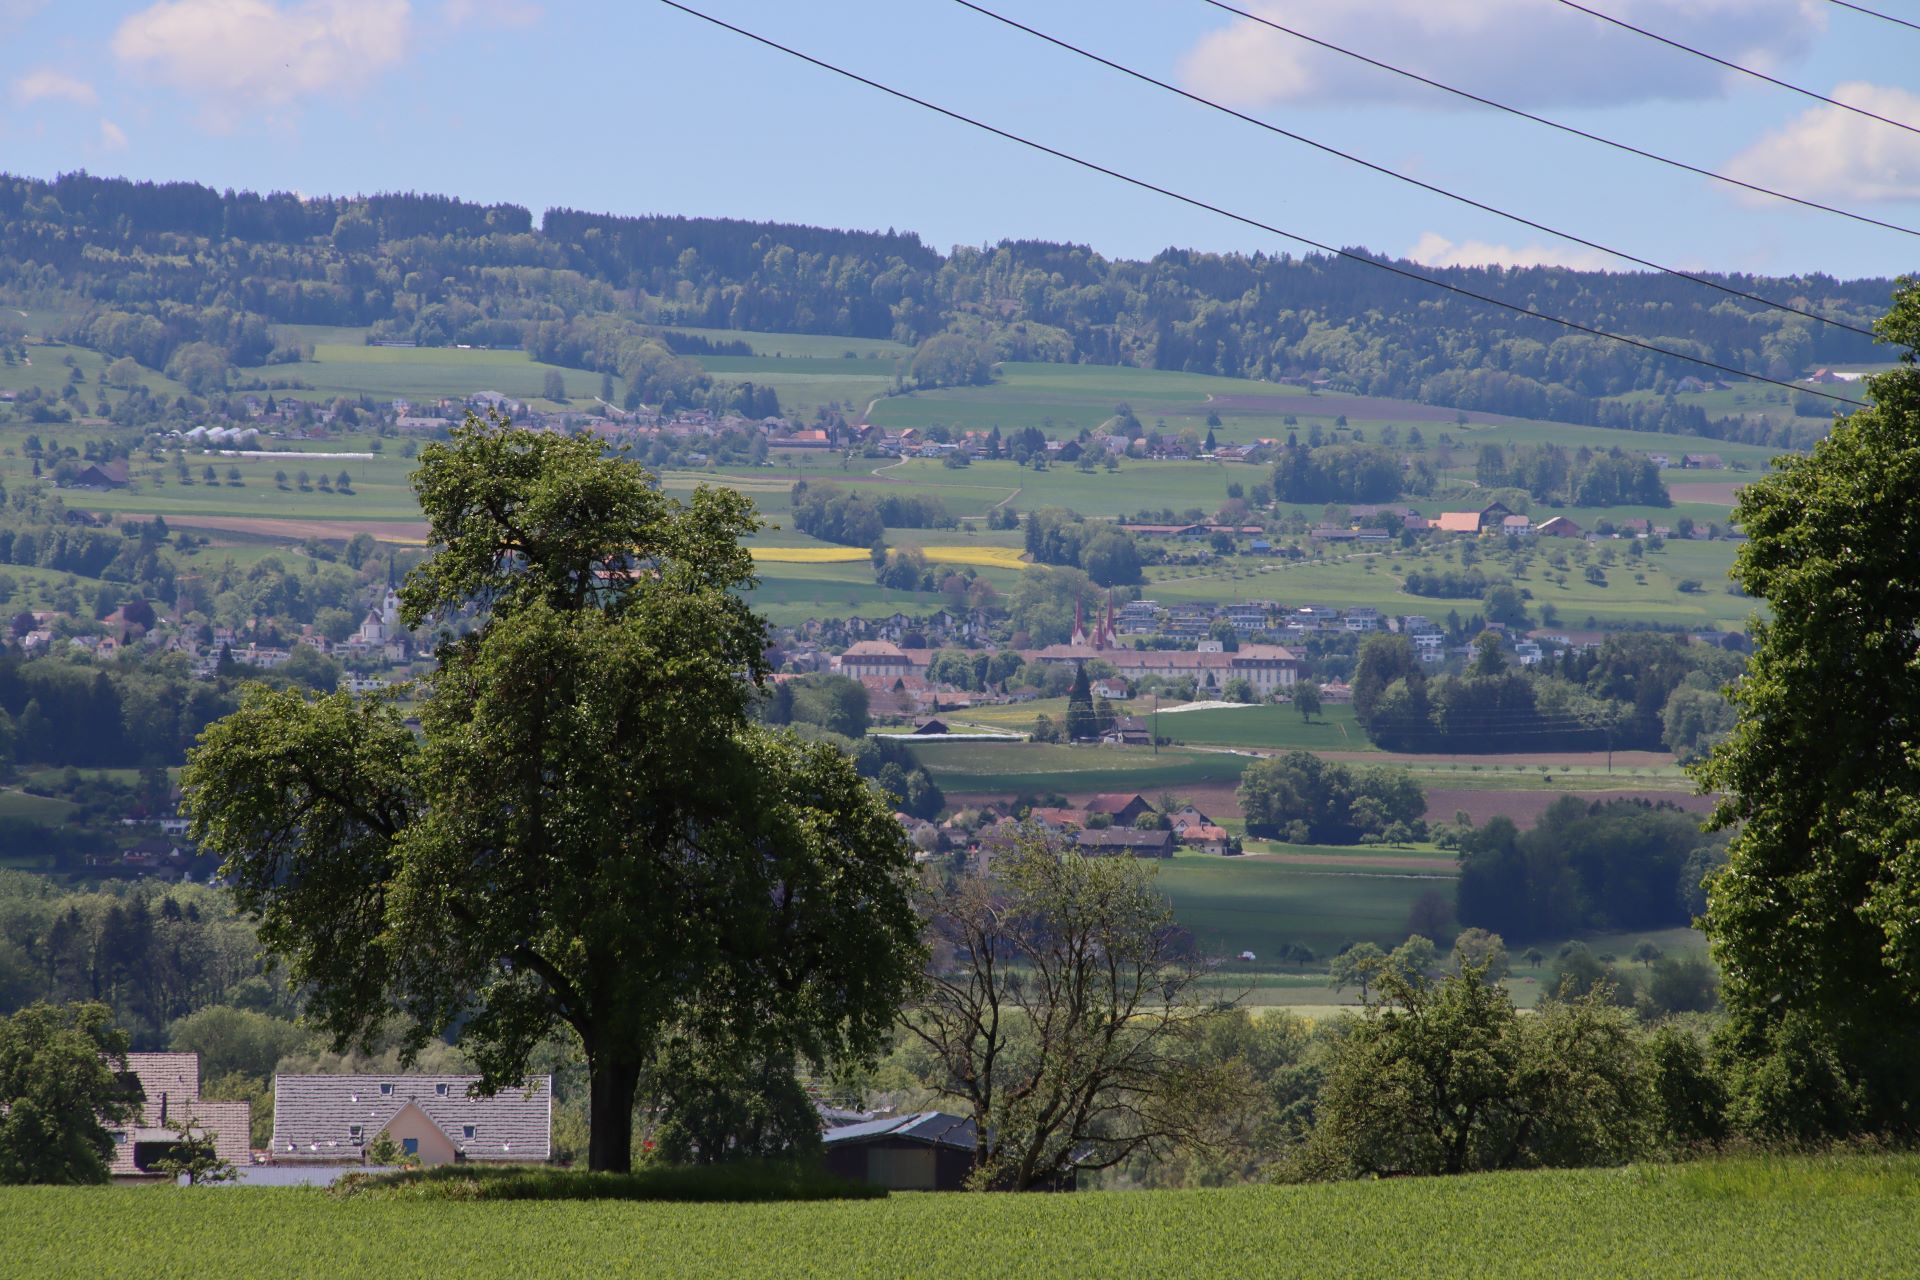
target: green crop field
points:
(1250, 904)
(1009, 767)
(1269, 727)
(380, 488)
(1832, 1217)
(345, 368)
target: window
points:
(120, 1136)
(440, 1089)
(411, 1146)
(466, 1130)
(386, 1090)
(354, 1131)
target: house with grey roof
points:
(333, 1119)
(167, 1089)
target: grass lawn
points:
(1838, 1217)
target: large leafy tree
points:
(58, 1091)
(1816, 919)
(588, 831)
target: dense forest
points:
(180, 276)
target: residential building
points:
(167, 1087)
(866, 658)
(333, 1119)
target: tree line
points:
(440, 271)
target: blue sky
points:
(628, 106)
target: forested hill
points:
(178, 263)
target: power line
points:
(1198, 203)
(1571, 130)
(1734, 66)
(1875, 13)
(1407, 178)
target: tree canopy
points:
(589, 831)
(1816, 920)
(58, 1091)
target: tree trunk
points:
(610, 1115)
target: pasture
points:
(1829, 1216)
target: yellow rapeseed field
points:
(808, 555)
(982, 557)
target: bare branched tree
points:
(1066, 1011)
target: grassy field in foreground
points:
(1827, 1217)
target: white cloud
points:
(490, 13)
(258, 52)
(1435, 250)
(1528, 53)
(112, 136)
(1828, 153)
(47, 85)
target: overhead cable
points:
(1875, 13)
(1788, 85)
(1571, 130)
(1408, 178)
(1197, 203)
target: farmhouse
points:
(1207, 838)
(167, 1086)
(1559, 527)
(323, 1119)
(101, 475)
(1123, 808)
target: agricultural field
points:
(380, 489)
(353, 369)
(1009, 768)
(1753, 1217)
(1324, 898)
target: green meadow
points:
(1841, 1217)
(1260, 905)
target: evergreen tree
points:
(1082, 722)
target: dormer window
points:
(441, 1089)
(386, 1091)
(354, 1131)
(466, 1130)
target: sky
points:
(629, 106)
